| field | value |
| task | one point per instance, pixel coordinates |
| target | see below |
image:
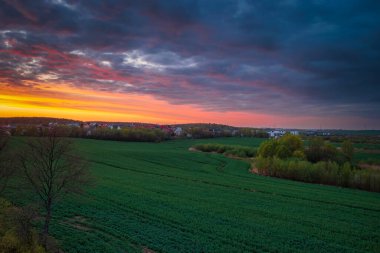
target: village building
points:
(178, 131)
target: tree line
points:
(103, 133)
(228, 150)
(136, 133)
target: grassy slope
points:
(169, 199)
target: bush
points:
(17, 234)
(130, 134)
(299, 154)
(320, 150)
(284, 147)
(348, 150)
(323, 172)
(233, 150)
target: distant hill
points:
(46, 120)
(206, 125)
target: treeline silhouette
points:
(101, 133)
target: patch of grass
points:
(367, 157)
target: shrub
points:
(319, 150)
(283, 148)
(17, 234)
(234, 150)
(348, 149)
(322, 172)
(299, 154)
(129, 134)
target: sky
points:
(289, 63)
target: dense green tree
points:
(17, 234)
(299, 154)
(283, 147)
(348, 150)
(314, 152)
(283, 151)
(292, 142)
(267, 148)
(329, 152)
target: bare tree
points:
(52, 169)
(6, 163)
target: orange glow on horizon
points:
(46, 100)
(65, 101)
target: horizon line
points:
(189, 123)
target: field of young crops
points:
(161, 196)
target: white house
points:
(116, 127)
(234, 132)
(276, 133)
(178, 131)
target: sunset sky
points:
(296, 64)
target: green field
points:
(167, 199)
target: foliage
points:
(129, 134)
(299, 154)
(249, 132)
(17, 234)
(348, 149)
(234, 150)
(323, 172)
(284, 147)
(142, 133)
(315, 151)
(285, 158)
(103, 133)
(289, 146)
(320, 150)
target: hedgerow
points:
(233, 150)
(323, 172)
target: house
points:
(5, 130)
(276, 133)
(235, 132)
(114, 127)
(178, 131)
(294, 132)
(74, 124)
(85, 125)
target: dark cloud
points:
(281, 57)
